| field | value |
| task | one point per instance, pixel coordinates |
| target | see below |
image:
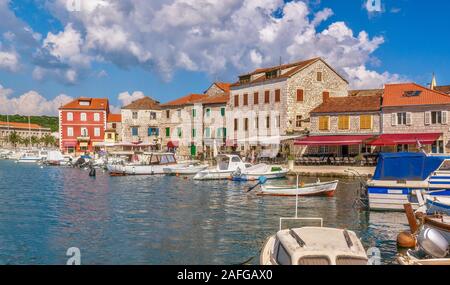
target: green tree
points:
(35, 141)
(14, 139)
(48, 140)
(25, 141)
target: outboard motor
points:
(433, 243)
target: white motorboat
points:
(188, 169)
(150, 164)
(32, 157)
(438, 204)
(253, 173)
(315, 189)
(54, 158)
(226, 165)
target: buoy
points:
(406, 240)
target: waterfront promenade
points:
(332, 171)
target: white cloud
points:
(361, 78)
(219, 37)
(126, 98)
(9, 60)
(30, 103)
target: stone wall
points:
(354, 125)
(143, 122)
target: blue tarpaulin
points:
(406, 166)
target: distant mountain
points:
(44, 121)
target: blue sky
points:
(166, 56)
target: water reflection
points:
(158, 220)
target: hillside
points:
(44, 121)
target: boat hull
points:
(185, 170)
(439, 205)
(213, 175)
(119, 170)
(256, 176)
(326, 189)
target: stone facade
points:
(142, 120)
(416, 122)
(283, 114)
(354, 123)
(24, 130)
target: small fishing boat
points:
(31, 157)
(189, 169)
(54, 158)
(438, 204)
(226, 165)
(253, 173)
(149, 164)
(314, 189)
(400, 176)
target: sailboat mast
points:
(29, 129)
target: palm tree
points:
(48, 140)
(34, 140)
(14, 139)
(25, 141)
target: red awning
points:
(172, 144)
(70, 144)
(333, 140)
(396, 139)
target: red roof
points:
(443, 89)
(397, 95)
(186, 100)
(87, 104)
(396, 139)
(333, 140)
(221, 99)
(349, 105)
(21, 125)
(114, 118)
(145, 103)
(224, 86)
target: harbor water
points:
(160, 220)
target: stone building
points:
(342, 126)
(413, 114)
(269, 104)
(181, 125)
(24, 130)
(140, 124)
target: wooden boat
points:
(151, 164)
(313, 246)
(438, 204)
(226, 165)
(315, 189)
(255, 172)
(189, 169)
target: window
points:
(319, 76)
(194, 133)
(267, 97)
(179, 132)
(272, 74)
(278, 121)
(167, 132)
(114, 125)
(236, 125)
(152, 116)
(222, 112)
(179, 113)
(221, 132)
(97, 117)
(246, 124)
(324, 123)
(168, 114)
(194, 113)
(256, 98)
(84, 132)
(365, 122)
(300, 95)
(401, 118)
(83, 117)
(277, 95)
(244, 79)
(324, 149)
(208, 133)
(437, 147)
(135, 115)
(208, 112)
(344, 122)
(245, 99)
(134, 131)
(236, 100)
(256, 123)
(70, 116)
(268, 122)
(109, 136)
(96, 132)
(298, 121)
(436, 118)
(70, 132)
(153, 132)
(325, 95)
(402, 148)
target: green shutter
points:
(222, 112)
(167, 132)
(194, 113)
(193, 133)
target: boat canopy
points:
(406, 166)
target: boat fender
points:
(406, 240)
(433, 243)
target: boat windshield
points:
(445, 166)
(223, 162)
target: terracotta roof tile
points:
(224, 86)
(221, 99)
(21, 125)
(395, 95)
(186, 100)
(114, 118)
(349, 105)
(366, 92)
(443, 89)
(94, 104)
(145, 103)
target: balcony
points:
(83, 139)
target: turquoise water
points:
(158, 220)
